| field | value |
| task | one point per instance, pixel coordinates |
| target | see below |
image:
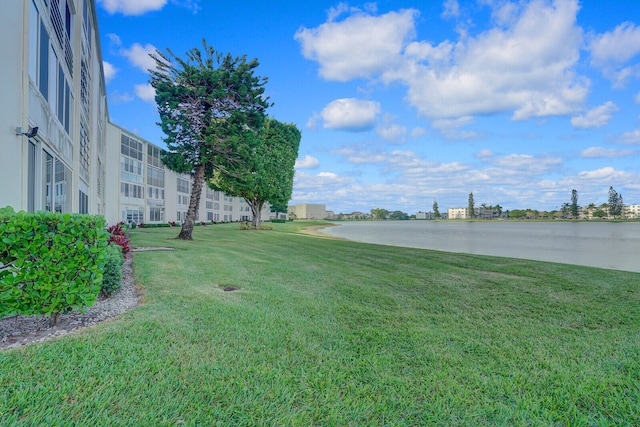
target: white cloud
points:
(131, 7)
(518, 68)
(484, 155)
(120, 97)
(526, 162)
(451, 9)
(360, 46)
(610, 52)
(391, 132)
(138, 56)
(451, 128)
(109, 71)
(308, 162)
(610, 153)
(350, 114)
(632, 137)
(417, 132)
(146, 92)
(637, 98)
(360, 157)
(605, 175)
(114, 39)
(596, 117)
(617, 46)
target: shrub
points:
(118, 236)
(50, 263)
(264, 227)
(112, 274)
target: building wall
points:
(52, 79)
(308, 211)
(148, 192)
(458, 213)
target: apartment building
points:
(458, 213)
(53, 112)
(60, 151)
(308, 211)
(631, 211)
(149, 192)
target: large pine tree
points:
(211, 106)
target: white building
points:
(60, 152)
(458, 213)
(308, 211)
(52, 80)
(631, 211)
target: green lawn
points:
(325, 332)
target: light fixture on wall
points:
(31, 133)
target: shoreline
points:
(314, 230)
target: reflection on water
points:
(597, 244)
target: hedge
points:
(50, 263)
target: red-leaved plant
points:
(118, 236)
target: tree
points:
(436, 211)
(574, 204)
(398, 215)
(615, 203)
(471, 207)
(599, 213)
(279, 207)
(517, 213)
(379, 213)
(268, 176)
(210, 107)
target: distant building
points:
(631, 211)
(308, 211)
(458, 213)
(425, 215)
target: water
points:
(597, 244)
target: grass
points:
(326, 332)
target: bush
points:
(112, 274)
(119, 236)
(280, 220)
(264, 227)
(50, 263)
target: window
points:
(133, 215)
(154, 156)
(130, 147)
(56, 177)
(155, 177)
(209, 216)
(31, 179)
(209, 204)
(131, 170)
(156, 214)
(131, 190)
(43, 62)
(83, 202)
(84, 150)
(183, 185)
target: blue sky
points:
(401, 103)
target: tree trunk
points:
(256, 209)
(194, 202)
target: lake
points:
(612, 245)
